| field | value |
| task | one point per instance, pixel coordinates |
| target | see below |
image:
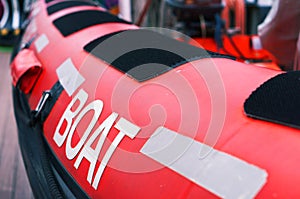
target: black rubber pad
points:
(144, 54)
(277, 100)
(67, 4)
(76, 21)
(48, 1)
(93, 44)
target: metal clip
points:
(46, 95)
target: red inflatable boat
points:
(107, 110)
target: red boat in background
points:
(106, 109)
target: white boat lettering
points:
(72, 116)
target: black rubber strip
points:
(277, 100)
(34, 155)
(145, 54)
(40, 160)
(74, 22)
(67, 4)
(48, 1)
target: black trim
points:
(145, 54)
(38, 158)
(67, 4)
(76, 21)
(33, 152)
(69, 182)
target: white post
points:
(125, 9)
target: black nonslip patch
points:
(76, 21)
(144, 54)
(277, 100)
(67, 4)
